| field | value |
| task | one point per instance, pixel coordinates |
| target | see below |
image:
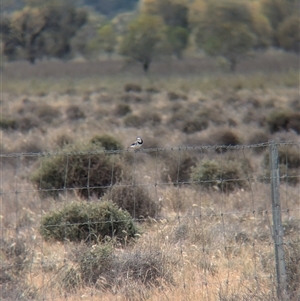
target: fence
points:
(213, 223)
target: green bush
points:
(80, 169)
(226, 175)
(135, 199)
(107, 141)
(88, 222)
(279, 120)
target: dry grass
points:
(202, 243)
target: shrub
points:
(27, 122)
(133, 273)
(132, 97)
(175, 96)
(74, 112)
(288, 155)
(107, 141)
(122, 109)
(80, 170)
(177, 174)
(131, 87)
(289, 163)
(135, 199)
(283, 120)
(88, 222)
(152, 90)
(225, 137)
(63, 139)
(150, 117)
(226, 175)
(258, 137)
(132, 120)
(194, 125)
(7, 123)
(148, 267)
(46, 112)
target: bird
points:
(137, 144)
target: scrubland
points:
(198, 224)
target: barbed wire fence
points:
(230, 214)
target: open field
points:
(205, 238)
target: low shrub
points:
(74, 112)
(178, 174)
(122, 109)
(152, 118)
(88, 222)
(288, 155)
(289, 164)
(80, 169)
(152, 90)
(27, 122)
(133, 97)
(135, 199)
(225, 175)
(63, 139)
(175, 96)
(132, 120)
(133, 273)
(107, 141)
(258, 137)
(131, 87)
(279, 120)
(193, 125)
(224, 137)
(7, 123)
(46, 112)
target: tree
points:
(225, 30)
(143, 40)
(289, 34)
(178, 38)
(107, 38)
(260, 25)
(38, 31)
(23, 30)
(277, 11)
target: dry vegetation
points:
(193, 236)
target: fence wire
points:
(203, 213)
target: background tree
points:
(143, 40)
(64, 22)
(260, 25)
(225, 30)
(35, 32)
(174, 13)
(107, 38)
(178, 38)
(277, 11)
(289, 34)
(22, 33)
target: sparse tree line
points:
(229, 29)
